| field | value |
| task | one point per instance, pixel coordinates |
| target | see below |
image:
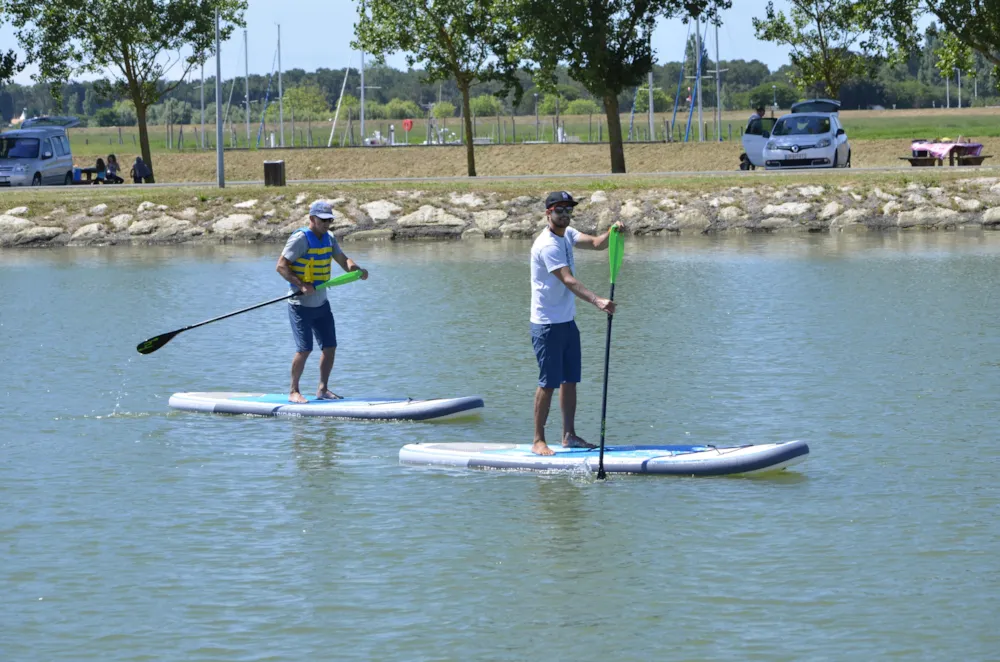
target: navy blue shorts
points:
(557, 348)
(308, 321)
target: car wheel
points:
(835, 155)
(848, 164)
(68, 181)
(37, 179)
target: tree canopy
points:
(134, 44)
(467, 41)
(825, 37)
(606, 45)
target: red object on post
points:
(407, 125)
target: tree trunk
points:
(470, 152)
(614, 133)
(140, 116)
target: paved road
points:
(754, 174)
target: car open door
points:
(755, 137)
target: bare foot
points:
(541, 448)
(297, 398)
(328, 395)
(573, 441)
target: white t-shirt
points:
(551, 301)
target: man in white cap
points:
(306, 262)
(554, 334)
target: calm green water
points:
(131, 532)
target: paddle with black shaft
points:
(616, 251)
(156, 342)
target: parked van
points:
(37, 153)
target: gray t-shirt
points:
(296, 247)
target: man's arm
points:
(598, 243)
(284, 268)
(576, 287)
(347, 264)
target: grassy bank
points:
(861, 125)
(491, 160)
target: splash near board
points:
(277, 404)
(667, 460)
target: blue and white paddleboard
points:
(671, 460)
(385, 409)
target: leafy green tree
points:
(401, 109)
(953, 54)
(467, 41)
(485, 105)
(582, 107)
(551, 103)
(106, 117)
(443, 110)
(89, 102)
(767, 94)
(350, 104)
(605, 44)
(9, 64)
(976, 23)
(661, 101)
(133, 43)
(304, 102)
(824, 36)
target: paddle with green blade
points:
(616, 251)
(156, 342)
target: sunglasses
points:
(561, 209)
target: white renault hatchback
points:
(811, 136)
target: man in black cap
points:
(554, 334)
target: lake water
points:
(133, 532)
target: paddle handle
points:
(601, 475)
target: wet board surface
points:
(679, 460)
(374, 408)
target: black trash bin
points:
(274, 173)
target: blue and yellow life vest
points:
(314, 266)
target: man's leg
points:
(298, 365)
(572, 373)
(325, 368)
(543, 402)
(303, 347)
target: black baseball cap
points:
(559, 198)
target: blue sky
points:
(317, 33)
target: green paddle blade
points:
(616, 251)
(349, 277)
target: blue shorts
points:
(557, 348)
(307, 321)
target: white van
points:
(38, 153)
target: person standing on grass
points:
(554, 334)
(305, 262)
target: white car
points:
(811, 136)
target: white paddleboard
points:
(672, 460)
(277, 404)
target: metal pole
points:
(219, 160)
(652, 130)
(362, 97)
(697, 37)
(203, 104)
(246, 81)
(958, 75)
(281, 96)
(718, 86)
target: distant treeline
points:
(313, 96)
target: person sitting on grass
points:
(113, 170)
(102, 172)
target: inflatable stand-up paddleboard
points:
(668, 460)
(381, 409)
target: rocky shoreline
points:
(408, 215)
